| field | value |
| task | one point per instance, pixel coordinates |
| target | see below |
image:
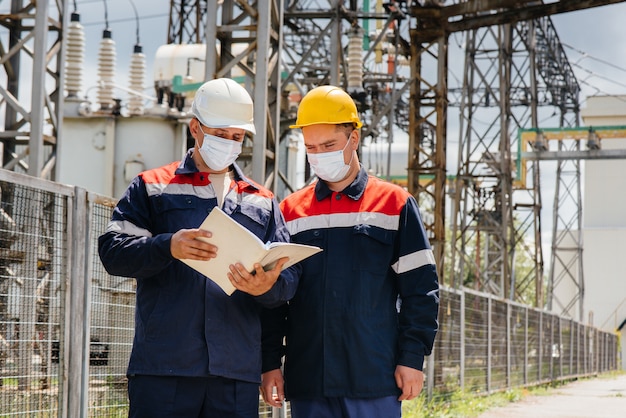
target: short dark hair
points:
(346, 128)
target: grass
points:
(458, 404)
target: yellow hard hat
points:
(327, 105)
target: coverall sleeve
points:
(418, 288)
(285, 287)
(128, 247)
(273, 330)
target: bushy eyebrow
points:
(322, 144)
(223, 133)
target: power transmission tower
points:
(33, 56)
(497, 205)
(514, 65)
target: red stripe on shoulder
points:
(302, 203)
(384, 197)
(161, 175)
(243, 186)
(380, 197)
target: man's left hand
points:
(257, 283)
(410, 381)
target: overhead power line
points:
(586, 55)
(127, 19)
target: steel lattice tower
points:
(506, 84)
(32, 50)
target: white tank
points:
(182, 60)
(188, 62)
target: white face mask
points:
(330, 166)
(218, 153)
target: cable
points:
(604, 93)
(136, 19)
(126, 19)
(585, 55)
(591, 73)
(106, 15)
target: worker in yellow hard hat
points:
(365, 311)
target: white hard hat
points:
(224, 103)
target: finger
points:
(258, 269)
(239, 272)
(276, 400)
(406, 390)
(408, 396)
(199, 233)
(202, 246)
(404, 396)
(280, 394)
(234, 279)
(266, 393)
(281, 262)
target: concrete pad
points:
(601, 397)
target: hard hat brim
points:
(223, 122)
(245, 126)
(358, 124)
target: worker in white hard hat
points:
(365, 312)
(196, 350)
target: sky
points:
(595, 43)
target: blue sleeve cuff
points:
(282, 291)
(412, 360)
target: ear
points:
(355, 137)
(194, 126)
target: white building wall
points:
(604, 221)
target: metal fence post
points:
(462, 341)
(508, 344)
(489, 338)
(525, 345)
(560, 347)
(540, 349)
(78, 385)
(551, 318)
(571, 347)
(430, 375)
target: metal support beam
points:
(31, 126)
(470, 15)
(610, 154)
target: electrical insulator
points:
(106, 71)
(137, 76)
(75, 56)
(355, 60)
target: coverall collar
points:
(188, 166)
(354, 190)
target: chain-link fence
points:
(66, 326)
(486, 344)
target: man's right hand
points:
(273, 380)
(184, 244)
